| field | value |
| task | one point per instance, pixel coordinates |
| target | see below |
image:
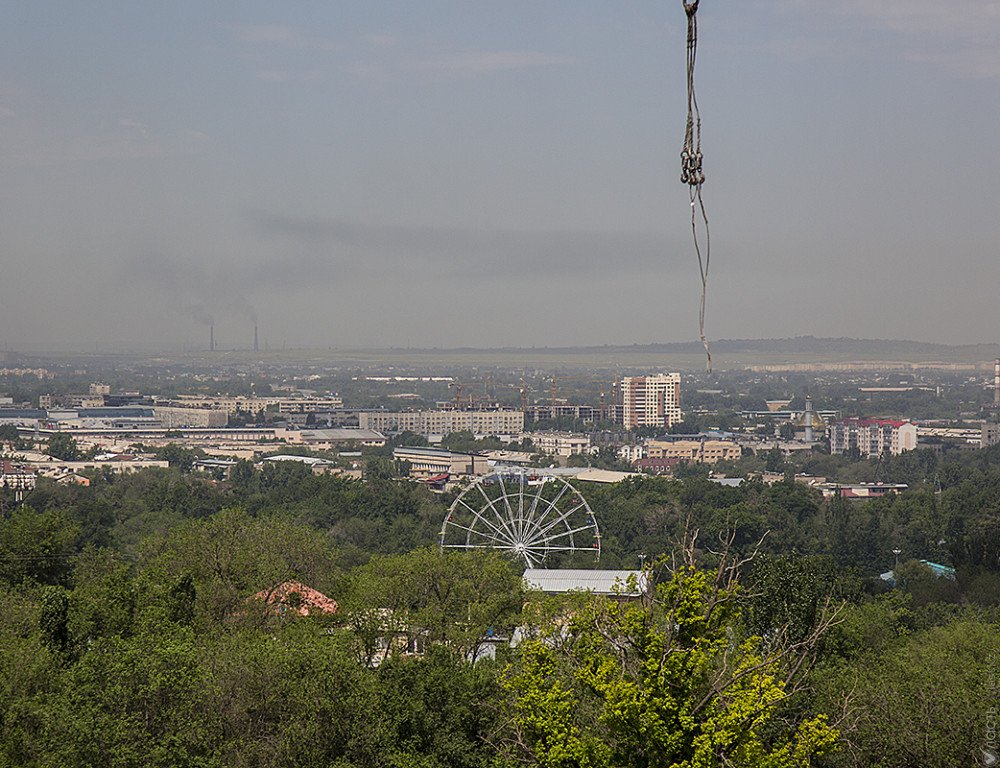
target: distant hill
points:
(689, 355)
(798, 345)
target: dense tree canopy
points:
(130, 634)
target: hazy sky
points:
(493, 173)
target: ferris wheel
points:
(525, 514)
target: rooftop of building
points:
(312, 461)
(436, 453)
(864, 422)
(333, 434)
(600, 582)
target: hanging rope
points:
(692, 173)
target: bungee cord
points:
(693, 174)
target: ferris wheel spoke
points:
(542, 526)
(563, 534)
(504, 523)
(481, 535)
(535, 499)
(476, 514)
(556, 549)
(554, 504)
(520, 497)
(514, 519)
(563, 517)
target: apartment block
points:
(559, 443)
(872, 437)
(651, 401)
(498, 422)
(695, 451)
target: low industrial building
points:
(110, 417)
(120, 465)
(589, 474)
(317, 465)
(509, 458)
(695, 451)
(332, 438)
(624, 585)
(430, 462)
(860, 490)
(22, 417)
(559, 443)
(215, 466)
(253, 405)
(173, 416)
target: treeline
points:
(951, 516)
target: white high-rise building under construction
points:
(651, 401)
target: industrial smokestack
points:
(256, 347)
(211, 337)
(808, 419)
(996, 384)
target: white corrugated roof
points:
(605, 476)
(341, 433)
(312, 461)
(599, 582)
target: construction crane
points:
(554, 380)
(457, 386)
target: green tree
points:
(243, 475)
(30, 671)
(135, 703)
(663, 683)
(37, 546)
(231, 556)
(53, 619)
(787, 594)
(438, 710)
(105, 600)
(378, 468)
(63, 447)
(9, 434)
(178, 456)
(924, 585)
(921, 699)
(429, 596)
(181, 600)
(291, 696)
(775, 460)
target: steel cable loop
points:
(693, 174)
